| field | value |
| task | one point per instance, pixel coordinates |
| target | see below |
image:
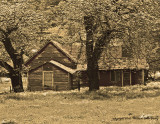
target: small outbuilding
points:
(51, 68)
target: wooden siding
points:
(35, 79)
(137, 77)
(61, 78)
(51, 53)
(105, 78)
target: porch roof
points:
(115, 64)
(70, 70)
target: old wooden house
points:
(117, 66)
(51, 68)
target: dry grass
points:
(101, 107)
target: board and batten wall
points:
(48, 53)
(62, 80)
(35, 79)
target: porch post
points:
(27, 81)
(130, 77)
(43, 80)
(122, 78)
(142, 76)
(52, 81)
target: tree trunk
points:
(16, 80)
(92, 73)
(92, 61)
(17, 59)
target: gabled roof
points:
(70, 70)
(64, 51)
(61, 66)
(57, 45)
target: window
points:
(115, 76)
(126, 52)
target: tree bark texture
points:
(16, 80)
(94, 50)
(15, 71)
(92, 61)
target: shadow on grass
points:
(130, 92)
(20, 97)
(116, 92)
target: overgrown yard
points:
(110, 105)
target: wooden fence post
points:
(122, 79)
(10, 89)
(79, 86)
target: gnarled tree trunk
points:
(92, 73)
(94, 50)
(92, 62)
(16, 80)
(17, 59)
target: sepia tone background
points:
(76, 61)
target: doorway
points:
(48, 80)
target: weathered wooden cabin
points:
(121, 76)
(117, 66)
(51, 68)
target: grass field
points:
(110, 105)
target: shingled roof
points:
(120, 63)
(106, 62)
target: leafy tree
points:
(100, 21)
(144, 33)
(19, 25)
(96, 23)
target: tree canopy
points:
(97, 23)
(94, 23)
(19, 27)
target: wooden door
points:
(48, 80)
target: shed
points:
(51, 68)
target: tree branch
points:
(156, 60)
(100, 43)
(6, 66)
(3, 31)
(10, 30)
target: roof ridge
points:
(65, 51)
(56, 44)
